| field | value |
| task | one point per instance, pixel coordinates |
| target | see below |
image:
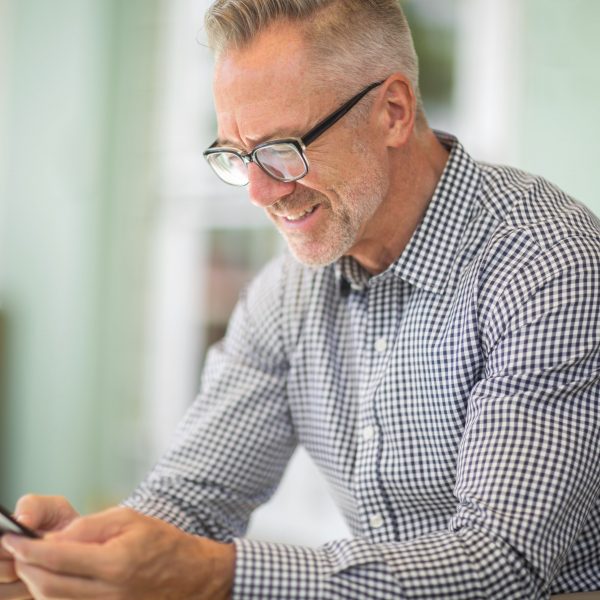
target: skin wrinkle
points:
(357, 205)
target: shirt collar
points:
(428, 258)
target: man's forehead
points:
(253, 122)
(276, 57)
(265, 88)
(281, 46)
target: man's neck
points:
(415, 174)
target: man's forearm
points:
(222, 561)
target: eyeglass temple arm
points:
(331, 120)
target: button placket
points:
(379, 342)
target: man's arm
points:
(528, 468)
(232, 447)
(227, 457)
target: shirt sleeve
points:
(528, 472)
(229, 452)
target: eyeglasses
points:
(284, 159)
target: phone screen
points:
(9, 525)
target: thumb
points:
(97, 528)
(44, 513)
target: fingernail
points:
(23, 518)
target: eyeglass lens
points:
(282, 161)
(229, 167)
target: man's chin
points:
(315, 258)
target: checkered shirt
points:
(452, 402)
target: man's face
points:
(267, 91)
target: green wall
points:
(75, 202)
(559, 122)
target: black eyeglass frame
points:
(299, 143)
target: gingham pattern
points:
(452, 402)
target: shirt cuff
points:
(267, 570)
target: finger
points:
(7, 555)
(7, 571)
(45, 584)
(15, 591)
(97, 528)
(44, 512)
(67, 558)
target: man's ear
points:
(398, 110)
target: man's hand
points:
(43, 514)
(119, 554)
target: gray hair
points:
(353, 42)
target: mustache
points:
(298, 199)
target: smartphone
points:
(8, 524)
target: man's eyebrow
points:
(277, 135)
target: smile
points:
(300, 216)
(300, 220)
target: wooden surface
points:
(581, 596)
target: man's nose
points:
(263, 189)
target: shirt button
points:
(381, 345)
(368, 433)
(376, 521)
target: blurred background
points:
(121, 255)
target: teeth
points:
(300, 216)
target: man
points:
(434, 344)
